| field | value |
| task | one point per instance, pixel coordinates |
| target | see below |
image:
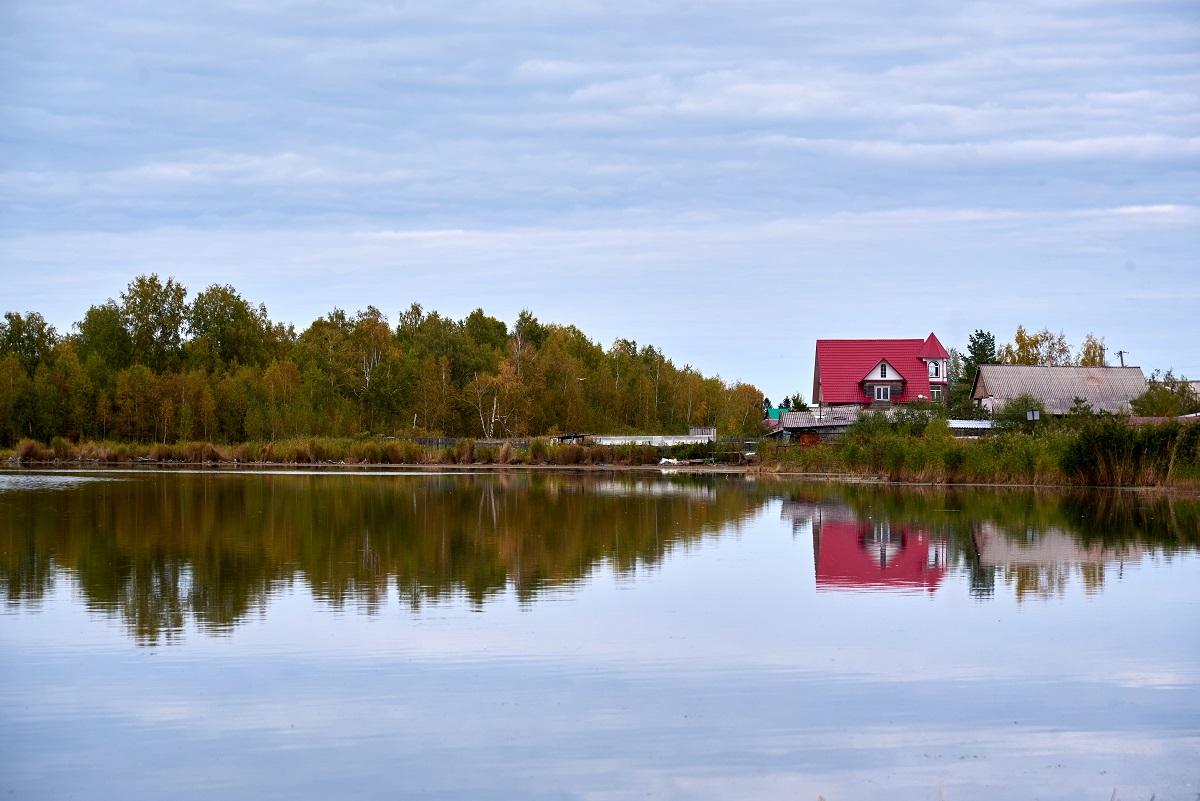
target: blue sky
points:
(728, 180)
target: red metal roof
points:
(843, 363)
(932, 349)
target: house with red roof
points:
(880, 372)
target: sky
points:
(727, 180)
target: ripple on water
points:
(42, 481)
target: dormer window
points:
(935, 370)
(883, 370)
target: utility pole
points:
(1121, 356)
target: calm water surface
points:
(298, 635)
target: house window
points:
(883, 370)
(935, 370)
(883, 393)
(935, 394)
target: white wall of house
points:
(943, 366)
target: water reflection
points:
(159, 551)
(887, 538)
(834, 653)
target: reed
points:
(1101, 451)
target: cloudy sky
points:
(729, 180)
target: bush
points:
(30, 450)
(463, 452)
(569, 454)
(61, 447)
(1014, 415)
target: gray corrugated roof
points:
(969, 425)
(839, 416)
(1107, 389)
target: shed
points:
(1107, 389)
(823, 423)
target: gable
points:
(879, 373)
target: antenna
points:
(1121, 356)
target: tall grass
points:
(1100, 451)
(331, 450)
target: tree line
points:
(154, 366)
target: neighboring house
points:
(1107, 389)
(879, 372)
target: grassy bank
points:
(1096, 451)
(1092, 451)
(342, 451)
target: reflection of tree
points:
(161, 550)
(1034, 540)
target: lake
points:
(543, 635)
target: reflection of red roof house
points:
(873, 555)
(879, 371)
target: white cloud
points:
(1119, 147)
(673, 144)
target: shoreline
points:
(754, 471)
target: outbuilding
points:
(1105, 389)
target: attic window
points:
(935, 370)
(883, 370)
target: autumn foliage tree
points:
(152, 366)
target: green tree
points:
(155, 313)
(30, 338)
(1166, 396)
(103, 336)
(135, 398)
(16, 400)
(227, 329)
(1014, 415)
(981, 349)
(281, 388)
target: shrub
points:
(569, 454)
(61, 447)
(30, 450)
(463, 452)
(953, 459)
